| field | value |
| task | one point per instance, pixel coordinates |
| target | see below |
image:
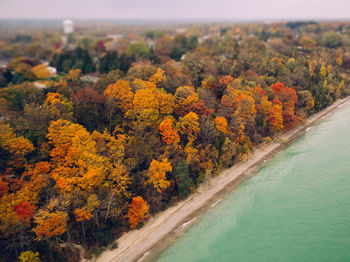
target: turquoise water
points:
(295, 208)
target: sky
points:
(177, 9)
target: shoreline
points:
(160, 231)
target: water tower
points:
(68, 27)
(68, 30)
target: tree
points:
(15, 150)
(120, 97)
(157, 174)
(331, 39)
(221, 124)
(29, 256)
(18, 146)
(138, 211)
(307, 42)
(82, 214)
(40, 71)
(189, 126)
(59, 106)
(49, 224)
(110, 61)
(276, 117)
(24, 210)
(74, 74)
(88, 104)
(150, 102)
(159, 76)
(170, 136)
(306, 100)
(139, 49)
(288, 97)
(121, 93)
(76, 164)
(183, 180)
(77, 59)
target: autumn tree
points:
(88, 104)
(29, 256)
(24, 210)
(16, 148)
(169, 134)
(76, 164)
(59, 105)
(121, 94)
(221, 124)
(288, 97)
(157, 174)
(40, 71)
(185, 97)
(49, 224)
(189, 126)
(82, 214)
(138, 211)
(276, 117)
(159, 76)
(119, 97)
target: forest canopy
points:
(131, 123)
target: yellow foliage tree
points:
(159, 76)
(185, 96)
(74, 74)
(145, 99)
(157, 174)
(18, 146)
(40, 71)
(189, 125)
(59, 105)
(75, 162)
(50, 224)
(29, 256)
(121, 93)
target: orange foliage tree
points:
(82, 214)
(138, 211)
(170, 135)
(276, 117)
(288, 97)
(221, 124)
(19, 146)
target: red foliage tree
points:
(25, 210)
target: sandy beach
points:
(146, 243)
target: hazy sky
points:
(177, 9)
